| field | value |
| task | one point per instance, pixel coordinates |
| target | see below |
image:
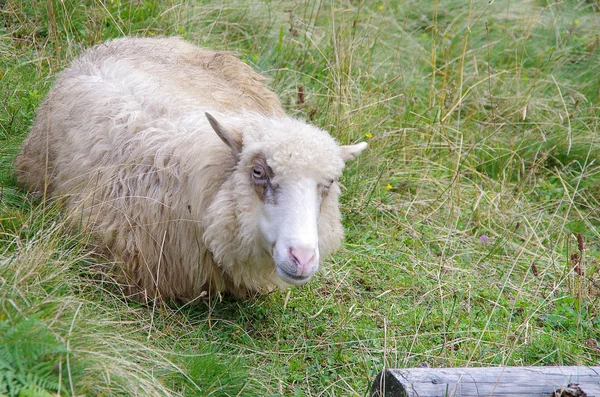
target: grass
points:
(472, 220)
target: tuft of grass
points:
(472, 220)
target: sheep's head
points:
(292, 170)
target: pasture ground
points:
(472, 220)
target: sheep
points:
(186, 170)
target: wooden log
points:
(489, 382)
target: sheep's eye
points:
(328, 184)
(258, 173)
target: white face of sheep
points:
(290, 210)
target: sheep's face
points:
(289, 217)
(292, 169)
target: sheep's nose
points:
(304, 258)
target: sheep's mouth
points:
(292, 278)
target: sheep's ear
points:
(350, 152)
(231, 137)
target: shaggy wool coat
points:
(123, 142)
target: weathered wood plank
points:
(485, 381)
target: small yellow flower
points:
(577, 22)
(389, 186)
(369, 135)
(379, 7)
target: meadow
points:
(472, 221)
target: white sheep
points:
(126, 140)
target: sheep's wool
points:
(123, 142)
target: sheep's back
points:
(197, 76)
(116, 89)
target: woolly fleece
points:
(123, 142)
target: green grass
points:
(462, 218)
